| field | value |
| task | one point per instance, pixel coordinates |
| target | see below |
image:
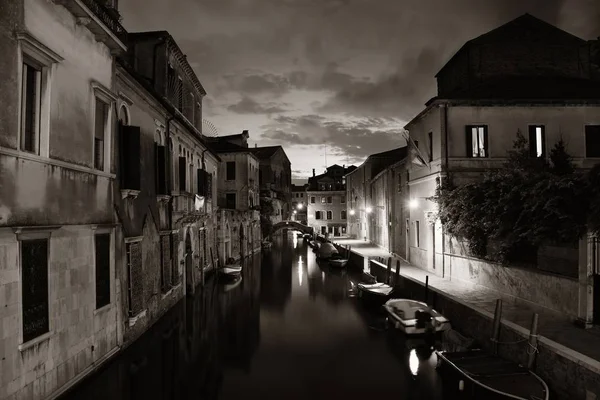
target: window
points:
(230, 170)
(165, 263)
(317, 214)
(34, 289)
(537, 141)
(135, 282)
(399, 183)
(230, 201)
(417, 233)
(329, 214)
(182, 174)
(31, 85)
(476, 140)
(100, 126)
(323, 199)
(160, 168)
(592, 141)
(343, 230)
(343, 199)
(329, 199)
(102, 247)
(313, 199)
(343, 214)
(330, 229)
(179, 94)
(430, 137)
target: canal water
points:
(289, 329)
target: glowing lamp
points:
(369, 209)
(351, 212)
(299, 206)
(413, 203)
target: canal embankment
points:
(567, 357)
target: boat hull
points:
(372, 297)
(409, 324)
(338, 263)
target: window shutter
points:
(469, 140)
(544, 142)
(485, 142)
(131, 156)
(532, 143)
(592, 141)
(208, 185)
(161, 169)
(182, 169)
(201, 182)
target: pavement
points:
(581, 344)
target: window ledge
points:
(125, 193)
(27, 345)
(103, 309)
(133, 320)
(163, 198)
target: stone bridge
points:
(292, 225)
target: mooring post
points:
(397, 272)
(389, 270)
(426, 287)
(533, 340)
(496, 327)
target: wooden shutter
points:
(182, 170)
(201, 175)
(34, 275)
(469, 140)
(485, 142)
(532, 141)
(131, 157)
(161, 169)
(102, 270)
(208, 184)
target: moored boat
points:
(378, 290)
(232, 285)
(338, 261)
(415, 317)
(326, 251)
(476, 374)
(231, 271)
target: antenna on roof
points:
(325, 157)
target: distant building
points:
(376, 193)
(299, 203)
(326, 196)
(275, 180)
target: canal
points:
(290, 329)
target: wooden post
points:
(496, 327)
(397, 280)
(389, 270)
(212, 258)
(533, 340)
(426, 287)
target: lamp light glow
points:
(369, 209)
(351, 212)
(299, 206)
(413, 203)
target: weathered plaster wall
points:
(79, 334)
(336, 207)
(11, 18)
(246, 179)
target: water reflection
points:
(289, 328)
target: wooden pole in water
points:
(389, 270)
(533, 340)
(496, 327)
(426, 287)
(212, 258)
(397, 280)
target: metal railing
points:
(108, 16)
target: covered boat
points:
(231, 271)
(476, 374)
(336, 260)
(415, 317)
(375, 291)
(326, 250)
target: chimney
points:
(255, 145)
(313, 172)
(245, 132)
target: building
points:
(377, 204)
(326, 194)
(59, 299)
(526, 76)
(299, 203)
(238, 190)
(166, 212)
(275, 180)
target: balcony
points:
(183, 203)
(101, 20)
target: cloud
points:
(246, 105)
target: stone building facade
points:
(547, 88)
(299, 204)
(59, 301)
(275, 180)
(326, 209)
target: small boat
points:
(480, 375)
(326, 251)
(266, 245)
(378, 289)
(306, 237)
(415, 317)
(338, 261)
(231, 271)
(232, 285)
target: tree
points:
(266, 212)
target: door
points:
(336, 231)
(189, 268)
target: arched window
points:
(159, 138)
(124, 117)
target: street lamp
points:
(413, 203)
(299, 207)
(352, 212)
(369, 209)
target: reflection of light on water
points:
(413, 362)
(300, 260)
(323, 276)
(295, 240)
(300, 272)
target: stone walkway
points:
(579, 343)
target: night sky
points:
(347, 74)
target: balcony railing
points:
(183, 203)
(101, 20)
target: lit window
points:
(477, 141)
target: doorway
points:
(594, 254)
(189, 268)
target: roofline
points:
(388, 168)
(237, 152)
(186, 65)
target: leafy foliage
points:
(520, 206)
(266, 211)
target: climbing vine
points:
(520, 206)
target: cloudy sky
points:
(331, 80)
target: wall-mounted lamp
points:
(299, 206)
(294, 212)
(352, 212)
(369, 210)
(413, 203)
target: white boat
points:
(415, 317)
(231, 271)
(379, 289)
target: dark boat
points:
(476, 374)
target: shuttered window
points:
(135, 288)
(130, 158)
(182, 174)
(102, 247)
(165, 263)
(30, 107)
(230, 171)
(476, 141)
(161, 169)
(34, 275)
(592, 141)
(537, 141)
(100, 125)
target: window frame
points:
(329, 215)
(531, 128)
(102, 93)
(344, 215)
(313, 199)
(31, 49)
(234, 198)
(417, 233)
(104, 231)
(469, 141)
(227, 164)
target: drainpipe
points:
(365, 200)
